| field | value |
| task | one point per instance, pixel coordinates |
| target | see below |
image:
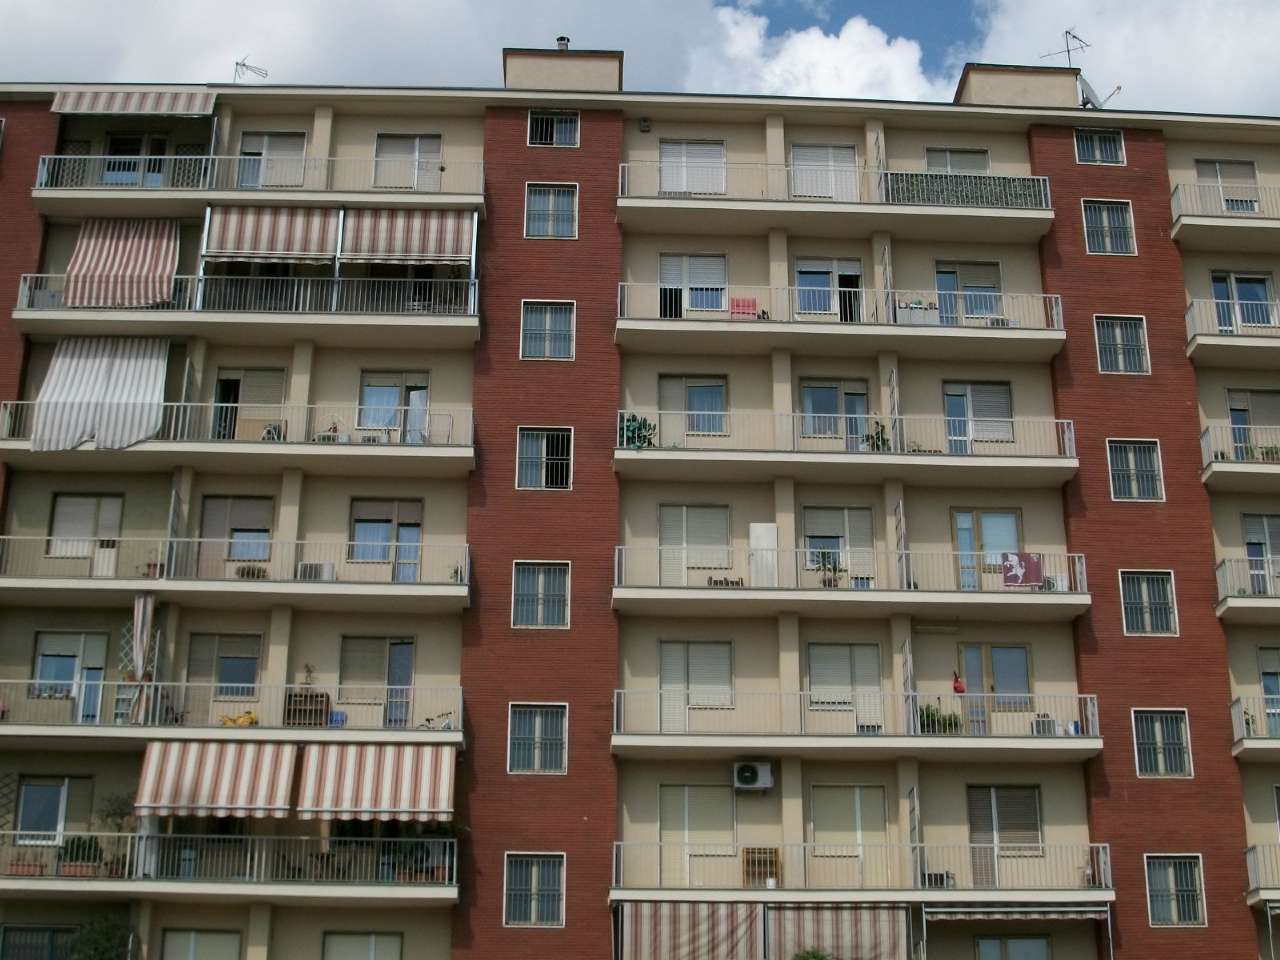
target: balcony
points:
(861, 725)
(1263, 863)
(1255, 728)
(343, 439)
(913, 873)
(182, 186)
(1243, 217)
(309, 574)
(755, 319)
(1233, 333)
(331, 311)
(237, 868)
(1249, 590)
(854, 202)
(1240, 458)
(743, 446)
(737, 581)
(117, 713)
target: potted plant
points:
(638, 432)
(877, 438)
(933, 721)
(829, 569)
(812, 954)
(115, 814)
(79, 856)
(26, 864)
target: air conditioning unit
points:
(316, 571)
(752, 775)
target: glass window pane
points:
(40, 808)
(999, 535)
(236, 676)
(249, 545)
(1027, 948)
(379, 406)
(372, 540)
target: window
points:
(1147, 598)
(829, 287)
(37, 943)
(71, 666)
(977, 413)
(393, 406)
(692, 167)
(950, 160)
(537, 735)
(47, 806)
(842, 817)
(1262, 548)
(1108, 227)
(839, 544)
(1002, 670)
(691, 538)
(824, 172)
(238, 526)
(691, 405)
(83, 525)
(1003, 821)
(694, 675)
(1012, 948)
(551, 211)
(535, 890)
(837, 409)
(969, 293)
(1161, 743)
(846, 676)
(1100, 146)
(249, 545)
(407, 162)
(1175, 897)
(387, 531)
(688, 282)
(229, 662)
(981, 538)
(362, 946)
(540, 595)
(1122, 344)
(553, 128)
(1255, 419)
(546, 331)
(701, 815)
(247, 404)
(1229, 185)
(271, 160)
(1242, 300)
(380, 670)
(544, 458)
(1135, 469)
(201, 945)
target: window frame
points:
(393, 543)
(543, 459)
(93, 538)
(577, 128)
(568, 594)
(685, 644)
(1159, 469)
(986, 151)
(1186, 728)
(538, 772)
(1146, 880)
(573, 327)
(981, 550)
(239, 935)
(1133, 227)
(577, 202)
(995, 701)
(24, 838)
(564, 886)
(1003, 940)
(324, 939)
(858, 786)
(1094, 131)
(1173, 599)
(400, 410)
(341, 694)
(1146, 344)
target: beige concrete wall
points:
(113, 774)
(1260, 812)
(920, 384)
(1183, 155)
(232, 485)
(1243, 644)
(1198, 267)
(1228, 510)
(915, 263)
(1019, 88)
(299, 931)
(31, 493)
(19, 626)
(748, 503)
(755, 649)
(837, 248)
(317, 640)
(196, 915)
(746, 258)
(355, 134)
(944, 811)
(550, 70)
(929, 524)
(847, 369)
(242, 123)
(326, 505)
(335, 374)
(757, 816)
(905, 148)
(1213, 384)
(744, 142)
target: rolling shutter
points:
(833, 813)
(674, 682)
(824, 522)
(671, 546)
(710, 674)
(1264, 408)
(706, 167)
(707, 535)
(866, 683)
(200, 658)
(992, 411)
(1017, 816)
(363, 662)
(831, 674)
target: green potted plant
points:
(80, 856)
(933, 721)
(638, 432)
(102, 936)
(812, 954)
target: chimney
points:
(1012, 85)
(587, 71)
(562, 43)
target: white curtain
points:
(144, 610)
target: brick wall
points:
(574, 813)
(1204, 814)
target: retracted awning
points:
(273, 234)
(376, 782)
(193, 778)
(1047, 911)
(692, 931)
(123, 263)
(169, 103)
(407, 236)
(868, 932)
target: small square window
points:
(544, 458)
(1122, 344)
(1161, 743)
(535, 890)
(1148, 601)
(1100, 147)
(1135, 470)
(1108, 227)
(551, 211)
(540, 595)
(546, 331)
(553, 128)
(536, 738)
(1175, 891)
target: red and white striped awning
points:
(169, 103)
(123, 263)
(692, 931)
(407, 236)
(1049, 911)
(193, 778)
(376, 782)
(865, 932)
(273, 234)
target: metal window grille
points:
(535, 890)
(537, 739)
(551, 211)
(544, 459)
(1108, 227)
(546, 331)
(37, 943)
(1147, 599)
(1135, 470)
(1161, 740)
(551, 128)
(1100, 146)
(541, 595)
(1173, 891)
(1122, 344)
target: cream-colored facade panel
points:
(299, 931)
(936, 654)
(826, 136)
(20, 625)
(317, 640)
(114, 775)
(242, 123)
(1249, 648)
(757, 816)
(1019, 88)
(1064, 814)
(835, 248)
(638, 514)
(326, 505)
(1261, 813)
(1227, 511)
(1198, 268)
(553, 70)
(754, 643)
(905, 148)
(31, 494)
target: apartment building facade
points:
(557, 521)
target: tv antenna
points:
(243, 66)
(1072, 43)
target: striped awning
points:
(193, 778)
(1085, 911)
(844, 933)
(169, 103)
(407, 236)
(376, 782)
(273, 234)
(123, 263)
(692, 931)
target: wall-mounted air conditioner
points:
(752, 775)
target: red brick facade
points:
(1138, 816)
(575, 814)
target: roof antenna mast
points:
(1074, 43)
(243, 66)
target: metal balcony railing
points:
(1263, 863)
(328, 174)
(1227, 318)
(854, 436)
(1231, 443)
(1245, 200)
(852, 713)
(1249, 577)
(249, 558)
(863, 866)
(123, 703)
(1255, 718)
(331, 424)
(735, 567)
(177, 858)
(343, 295)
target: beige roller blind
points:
(363, 661)
(710, 814)
(831, 673)
(1017, 815)
(710, 674)
(262, 388)
(834, 815)
(1264, 408)
(79, 808)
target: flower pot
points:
(77, 869)
(26, 870)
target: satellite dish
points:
(1089, 96)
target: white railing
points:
(1233, 318)
(848, 569)
(330, 424)
(336, 174)
(178, 858)
(147, 703)
(863, 866)
(1229, 200)
(345, 295)
(1248, 577)
(919, 435)
(1255, 718)
(1229, 443)
(277, 561)
(947, 308)
(852, 713)
(1263, 863)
